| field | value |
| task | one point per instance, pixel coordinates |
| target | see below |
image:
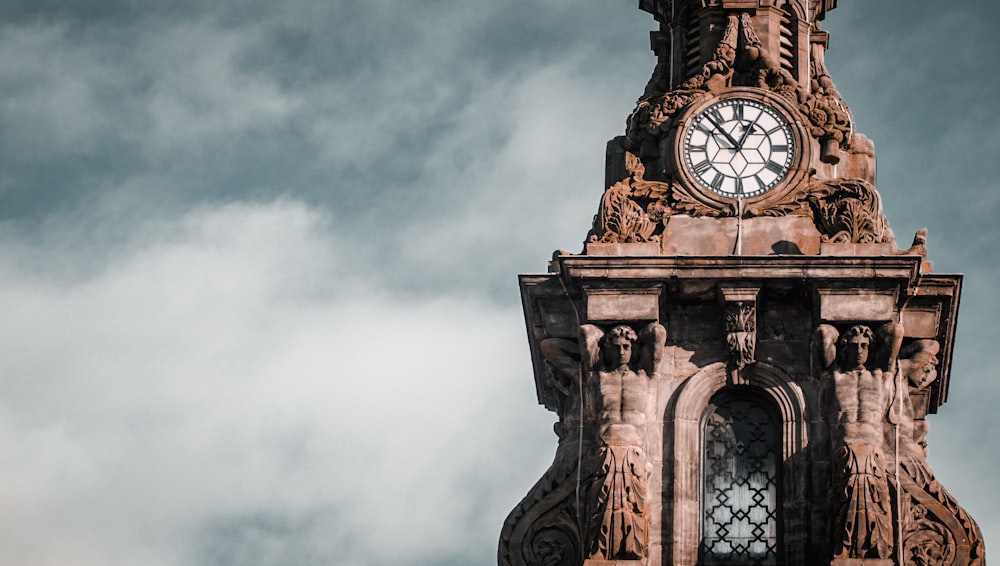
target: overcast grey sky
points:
(258, 259)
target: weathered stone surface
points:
(839, 304)
(751, 344)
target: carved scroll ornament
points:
(653, 112)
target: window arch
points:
(741, 480)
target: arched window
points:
(741, 480)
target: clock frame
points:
(718, 186)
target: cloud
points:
(258, 261)
(211, 397)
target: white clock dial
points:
(739, 147)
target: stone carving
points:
(856, 404)
(618, 517)
(848, 211)
(757, 68)
(654, 109)
(828, 116)
(543, 529)
(935, 528)
(631, 210)
(741, 332)
(592, 500)
(869, 410)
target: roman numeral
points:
(777, 128)
(700, 168)
(739, 185)
(701, 127)
(774, 166)
(697, 148)
(717, 181)
(780, 148)
(715, 115)
(738, 111)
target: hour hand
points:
(746, 134)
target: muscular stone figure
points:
(619, 520)
(856, 406)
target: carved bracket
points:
(740, 325)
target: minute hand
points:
(723, 132)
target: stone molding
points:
(682, 452)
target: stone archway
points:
(682, 458)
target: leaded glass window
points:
(742, 481)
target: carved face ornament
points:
(618, 352)
(855, 352)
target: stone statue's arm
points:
(890, 338)
(824, 348)
(590, 345)
(564, 356)
(652, 339)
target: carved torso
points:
(858, 406)
(621, 402)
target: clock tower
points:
(742, 358)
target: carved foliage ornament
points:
(741, 332)
(631, 210)
(848, 211)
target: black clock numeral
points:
(715, 116)
(717, 181)
(703, 166)
(739, 185)
(701, 127)
(774, 166)
(760, 182)
(701, 148)
(775, 129)
(738, 110)
(780, 148)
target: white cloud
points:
(192, 394)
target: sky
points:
(258, 259)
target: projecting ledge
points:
(739, 267)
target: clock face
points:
(739, 147)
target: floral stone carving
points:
(848, 211)
(631, 210)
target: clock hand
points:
(722, 130)
(746, 134)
